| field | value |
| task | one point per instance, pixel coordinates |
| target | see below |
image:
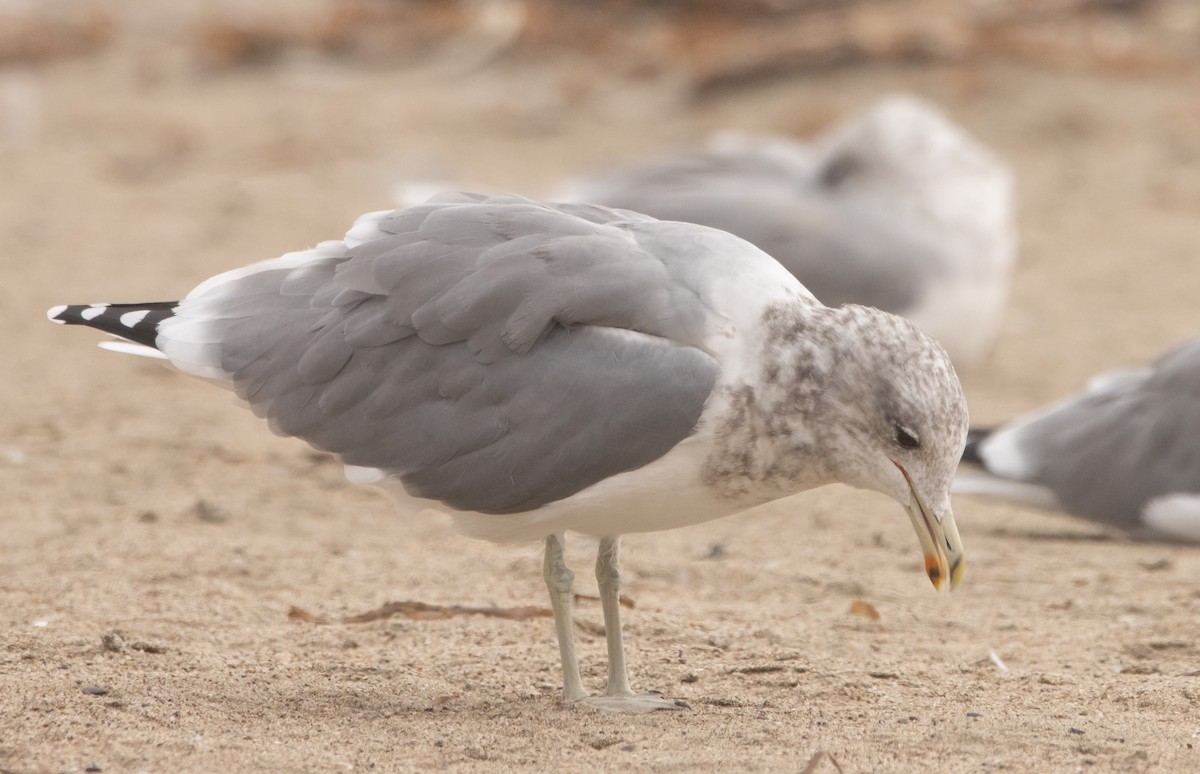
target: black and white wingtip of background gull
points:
(896, 208)
(1125, 452)
(535, 369)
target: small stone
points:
(148, 647)
(209, 513)
(113, 640)
(95, 690)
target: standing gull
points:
(1124, 452)
(897, 208)
(539, 368)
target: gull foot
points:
(634, 703)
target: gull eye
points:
(842, 167)
(906, 438)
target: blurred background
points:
(145, 146)
(201, 135)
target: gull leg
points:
(618, 697)
(558, 580)
(608, 577)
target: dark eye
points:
(906, 438)
(841, 168)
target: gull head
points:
(897, 424)
(900, 138)
(865, 398)
(906, 157)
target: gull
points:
(534, 369)
(1124, 452)
(897, 208)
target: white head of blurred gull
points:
(539, 368)
(897, 208)
(1125, 452)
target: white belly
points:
(665, 494)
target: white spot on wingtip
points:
(53, 312)
(93, 311)
(130, 319)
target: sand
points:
(140, 501)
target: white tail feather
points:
(131, 348)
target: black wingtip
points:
(134, 322)
(976, 436)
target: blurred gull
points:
(897, 208)
(1125, 452)
(541, 368)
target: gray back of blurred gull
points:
(897, 208)
(1125, 452)
(536, 368)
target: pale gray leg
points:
(618, 697)
(608, 577)
(558, 580)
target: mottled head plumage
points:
(837, 387)
(892, 380)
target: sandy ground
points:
(138, 500)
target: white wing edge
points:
(360, 475)
(979, 483)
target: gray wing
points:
(842, 248)
(730, 162)
(493, 354)
(1108, 452)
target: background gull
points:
(896, 208)
(541, 368)
(1124, 452)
